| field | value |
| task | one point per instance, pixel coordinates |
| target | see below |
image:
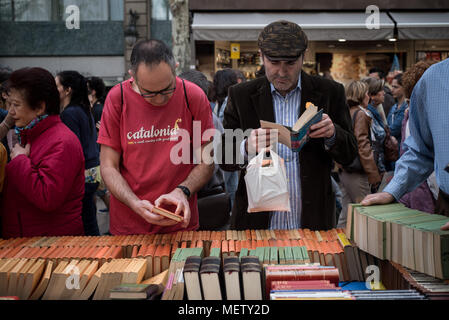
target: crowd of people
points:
(66, 141)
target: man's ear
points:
(131, 73)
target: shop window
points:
(54, 10)
(161, 21)
(431, 55)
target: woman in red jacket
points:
(44, 184)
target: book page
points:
(284, 132)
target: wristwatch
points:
(185, 190)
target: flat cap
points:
(282, 40)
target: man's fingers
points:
(445, 227)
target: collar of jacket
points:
(263, 100)
(27, 136)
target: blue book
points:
(296, 137)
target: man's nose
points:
(283, 71)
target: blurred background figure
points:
(396, 114)
(240, 76)
(76, 114)
(389, 101)
(6, 120)
(355, 181)
(214, 204)
(223, 80)
(378, 134)
(44, 184)
(97, 94)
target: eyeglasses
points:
(152, 94)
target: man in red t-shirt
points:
(149, 124)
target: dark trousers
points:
(442, 206)
(89, 213)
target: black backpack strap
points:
(187, 100)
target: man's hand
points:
(323, 129)
(377, 198)
(179, 199)
(144, 209)
(18, 150)
(98, 124)
(445, 227)
(260, 139)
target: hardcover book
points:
(296, 137)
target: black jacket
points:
(251, 102)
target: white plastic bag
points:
(266, 186)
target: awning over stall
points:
(322, 26)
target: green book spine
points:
(305, 254)
(266, 255)
(288, 255)
(243, 252)
(260, 253)
(177, 254)
(215, 252)
(252, 252)
(274, 255)
(297, 255)
(281, 255)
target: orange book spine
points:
(134, 252)
(100, 254)
(253, 244)
(259, 243)
(184, 244)
(150, 250)
(238, 246)
(224, 246)
(199, 244)
(279, 243)
(265, 242)
(231, 246)
(142, 250)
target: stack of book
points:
(405, 236)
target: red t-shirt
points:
(144, 135)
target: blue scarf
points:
(31, 125)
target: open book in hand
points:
(295, 138)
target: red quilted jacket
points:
(43, 193)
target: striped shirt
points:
(286, 112)
(427, 147)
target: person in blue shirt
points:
(396, 115)
(378, 134)
(427, 147)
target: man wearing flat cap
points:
(280, 96)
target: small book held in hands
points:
(296, 137)
(167, 214)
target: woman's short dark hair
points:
(97, 84)
(37, 85)
(398, 78)
(223, 79)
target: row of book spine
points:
(408, 237)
